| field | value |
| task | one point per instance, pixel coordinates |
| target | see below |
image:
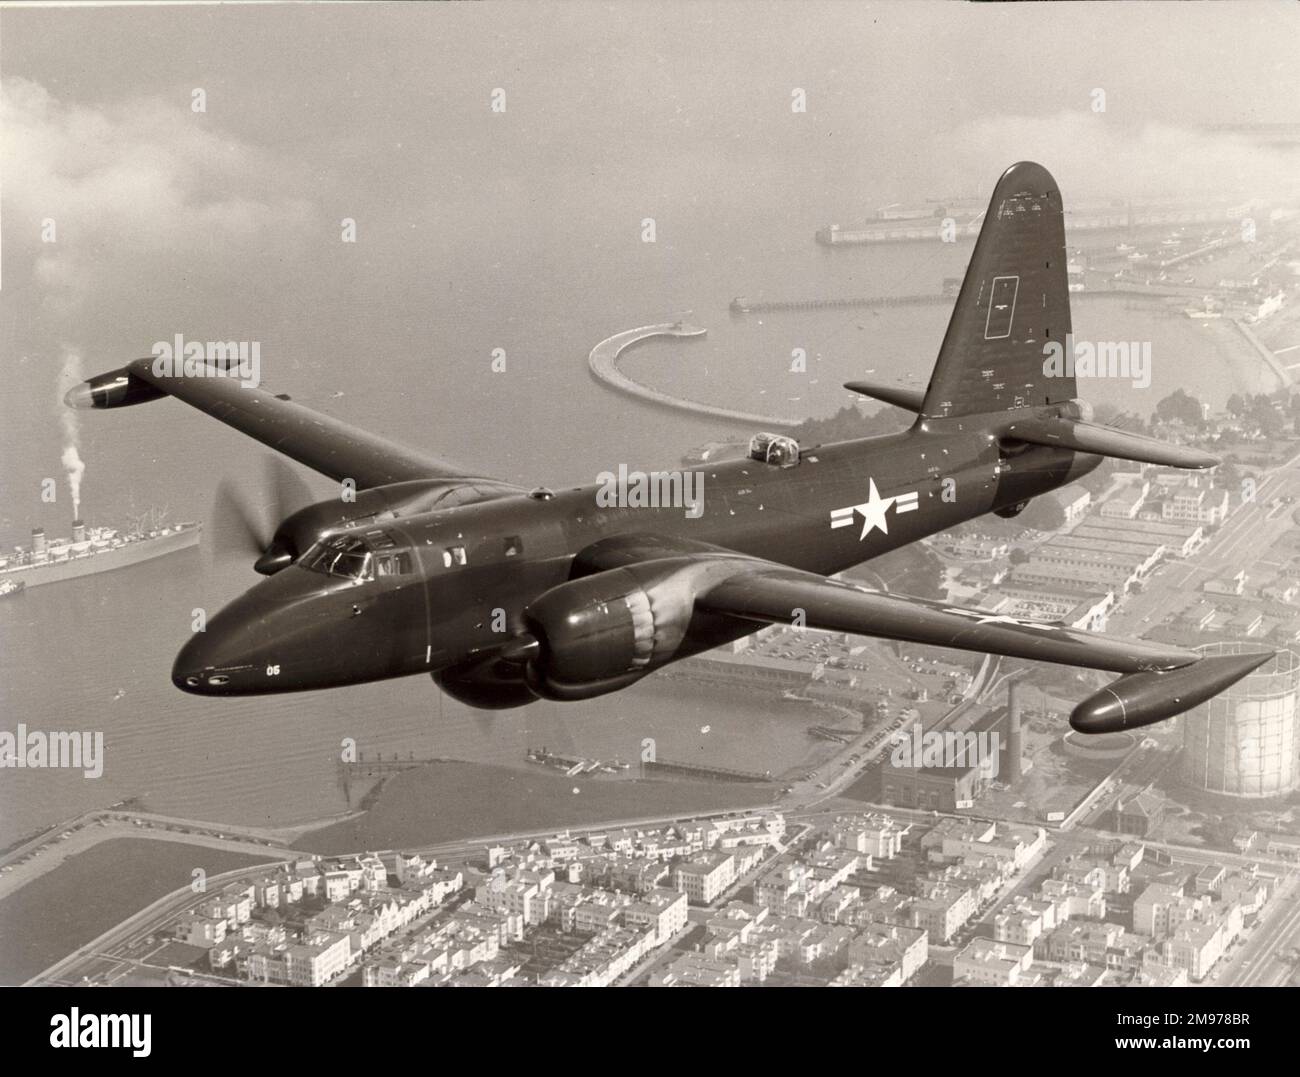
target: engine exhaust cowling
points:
(601, 632)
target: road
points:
(1252, 529)
(1257, 963)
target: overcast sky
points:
(226, 222)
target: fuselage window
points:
(453, 555)
(393, 564)
(514, 545)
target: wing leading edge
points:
(775, 595)
(766, 592)
(1157, 682)
(318, 441)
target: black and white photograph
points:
(655, 494)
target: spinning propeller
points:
(251, 531)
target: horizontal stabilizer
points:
(907, 399)
(1105, 441)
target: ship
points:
(94, 549)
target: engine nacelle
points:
(1010, 511)
(603, 632)
(492, 685)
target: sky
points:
(226, 222)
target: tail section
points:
(1013, 306)
(1015, 299)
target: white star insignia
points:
(982, 618)
(873, 512)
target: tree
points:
(1178, 406)
(1271, 423)
(1043, 514)
(1228, 476)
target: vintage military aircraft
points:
(506, 595)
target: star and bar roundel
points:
(874, 510)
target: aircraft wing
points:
(313, 439)
(759, 590)
(775, 595)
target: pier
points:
(574, 765)
(740, 305)
(603, 362)
(839, 736)
(697, 770)
(379, 767)
(929, 228)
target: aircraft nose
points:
(281, 635)
(210, 663)
(231, 655)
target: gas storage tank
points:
(1243, 741)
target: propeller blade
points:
(250, 533)
(238, 530)
(289, 491)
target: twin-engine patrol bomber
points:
(506, 595)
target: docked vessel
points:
(93, 549)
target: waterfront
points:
(113, 881)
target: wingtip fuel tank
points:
(1139, 699)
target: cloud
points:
(141, 181)
(1097, 156)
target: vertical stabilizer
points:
(1014, 299)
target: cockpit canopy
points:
(775, 449)
(365, 556)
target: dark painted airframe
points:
(506, 595)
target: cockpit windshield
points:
(339, 555)
(358, 557)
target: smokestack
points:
(38, 540)
(1015, 765)
(78, 531)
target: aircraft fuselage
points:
(476, 568)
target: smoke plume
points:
(73, 466)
